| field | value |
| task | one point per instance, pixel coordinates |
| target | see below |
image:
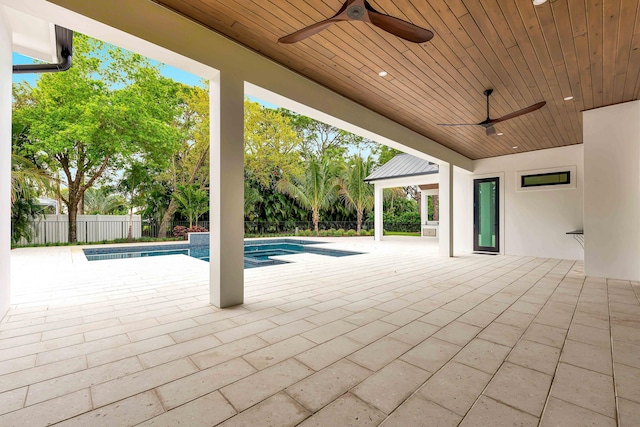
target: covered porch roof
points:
(404, 169)
(401, 166)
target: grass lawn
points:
(402, 233)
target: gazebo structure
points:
(401, 171)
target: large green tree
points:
(322, 140)
(271, 146)
(386, 153)
(357, 194)
(87, 122)
(189, 162)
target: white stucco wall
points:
(612, 191)
(535, 222)
(462, 212)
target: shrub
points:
(339, 232)
(331, 232)
(351, 232)
(181, 231)
(307, 232)
(323, 233)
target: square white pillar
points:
(5, 164)
(226, 261)
(612, 191)
(445, 218)
(378, 198)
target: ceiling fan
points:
(361, 10)
(489, 122)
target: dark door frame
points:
(476, 214)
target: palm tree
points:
(192, 202)
(317, 189)
(133, 178)
(252, 197)
(27, 181)
(98, 201)
(392, 194)
(27, 178)
(357, 194)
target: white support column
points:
(226, 262)
(612, 191)
(424, 207)
(5, 164)
(445, 195)
(377, 212)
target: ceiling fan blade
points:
(308, 31)
(526, 110)
(490, 130)
(398, 27)
(457, 124)
(312, 29)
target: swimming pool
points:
(257, 253)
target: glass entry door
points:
(486, 227)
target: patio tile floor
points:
(394, 337)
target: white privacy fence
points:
(89, 228)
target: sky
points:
(166, 70)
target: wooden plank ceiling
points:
(588, 49)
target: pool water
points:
(257, 253)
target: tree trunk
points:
(58, 198)
(81, 205)
(130, 236)
(162, 232)
(73, 219)
(166, 218)
(359, 226)
(316, 219)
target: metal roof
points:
(403, 165)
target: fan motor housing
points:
(355, 12)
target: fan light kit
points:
(489, 122)
(382, 73)
(361, 10)
(568, 98)
(539, 2)
(500, 134)
(514, 147)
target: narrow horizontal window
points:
(552, 178)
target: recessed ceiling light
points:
(568, 98)
(500, 133)
(514, 147)
(539, 2)
(382, 73)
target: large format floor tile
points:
(396, 336)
